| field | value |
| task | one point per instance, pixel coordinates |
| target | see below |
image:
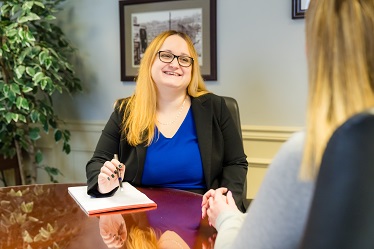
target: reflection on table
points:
(117, 233)
(45, 216)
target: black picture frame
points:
(299, 8)
(142, 20)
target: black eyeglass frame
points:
(175, 56)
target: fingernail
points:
(112, 175)
(120, 165)
(115, 172)
(108, 178)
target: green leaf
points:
(22, 103)
(22, 118)
(11, 32)
(29, 17)
(19, 71)
(48, 62)
(30, 37)
(68, 66)
(30, 71)
(8, 117)
(43, 56)
(26, 89)
(52, 123)
(53, 171)
(4, 8)
(35, 51)
(38, 77)
(34, 133)
(66, 148)
(50, 17)
(43, 84)
(27, 5)
(15, 89)
(5, 48)
(40, 4)
(15, 117)
(6, 90)
(34, 116)
(21, 33)
(58, 135)
(38, 157)
(15, 9)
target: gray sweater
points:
(277, 216)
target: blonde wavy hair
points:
(142, 239)
(340, 53)
(138, 124)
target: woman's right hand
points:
(108, 177)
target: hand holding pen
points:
(111, 175)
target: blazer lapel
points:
(202, 112)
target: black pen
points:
(119, 174)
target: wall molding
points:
(267, 136)
(268, 133)
(261, 143)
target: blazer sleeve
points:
(342, 210)
(107, 146)
(234, 164)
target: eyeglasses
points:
(167, 57)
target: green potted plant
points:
(34, 65)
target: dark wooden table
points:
(45, 216)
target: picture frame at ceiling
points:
(142, 20)
(299, 8)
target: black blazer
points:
(221, 148)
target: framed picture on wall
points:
(298, 8)
(142, 20)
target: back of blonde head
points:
(140, 110)
(340, 52)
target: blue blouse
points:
(175, 162)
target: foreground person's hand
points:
(205, 202)
(219, 203)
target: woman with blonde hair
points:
(171, 132)
(340, 54)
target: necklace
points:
(177, 116)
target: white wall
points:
(260, 50)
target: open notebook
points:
(129, 198)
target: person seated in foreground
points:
(340, 54)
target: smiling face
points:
(172, 74)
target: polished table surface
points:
(46, 216)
